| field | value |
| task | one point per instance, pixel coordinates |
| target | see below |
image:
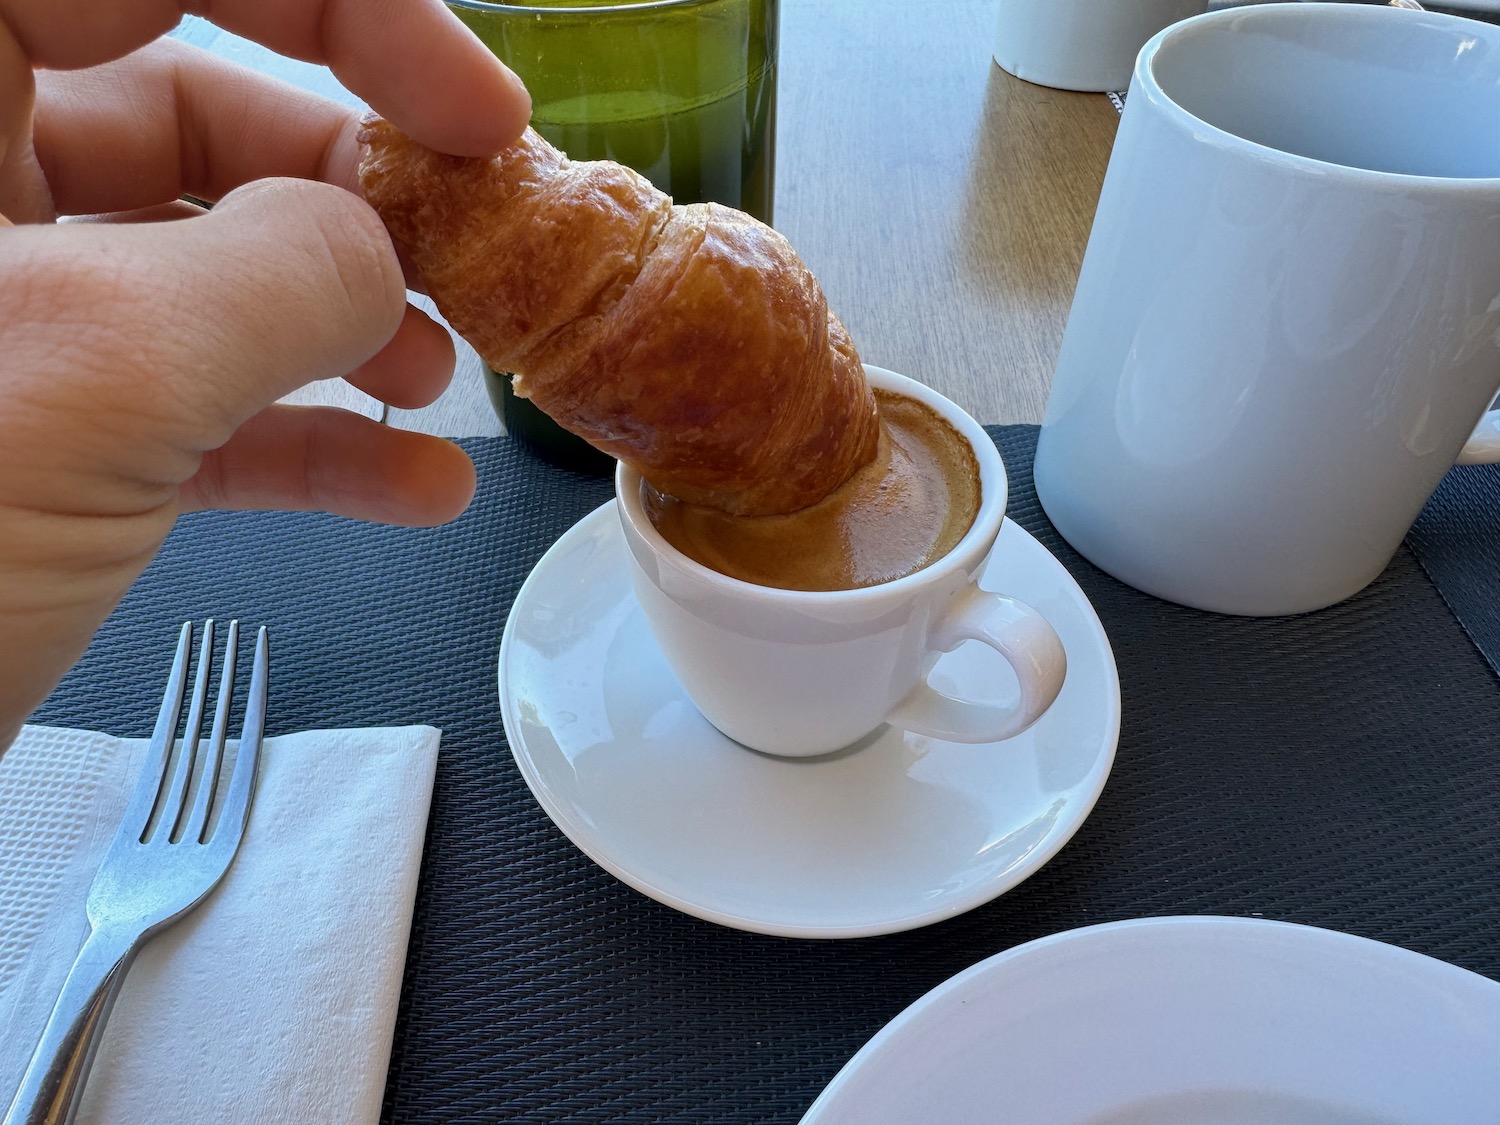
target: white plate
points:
(1186, 1021)
(897, 832)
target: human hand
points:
(139, 363)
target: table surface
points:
(1304, 768)
(943, 204)
(1335, 769)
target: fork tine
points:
(231, 826)
(208, 784)
(169, 814)
(148, 788)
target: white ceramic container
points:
(1287, 324)
(802, 673)
(1081, 44)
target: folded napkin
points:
(274, 1001)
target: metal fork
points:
(169, 852)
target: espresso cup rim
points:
(980, 536)
(1146, 85)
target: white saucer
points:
(896, 833)
(1186, 1021)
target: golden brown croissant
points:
(690, 342)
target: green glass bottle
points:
(683, 91)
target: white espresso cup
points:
(1081, 44)
(1287, 324)
(800, 673)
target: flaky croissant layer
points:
(689, 341)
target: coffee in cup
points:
(800, 672)
(907, 508)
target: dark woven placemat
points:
(1457, 541)
(1339, 769)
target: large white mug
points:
(1285, 328)
(1081, 44)
(800, 673)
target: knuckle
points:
(348, 253)
(70, 308)
(79, 347)
(363, 258)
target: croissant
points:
(688, 341)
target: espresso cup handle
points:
(1018, 633)
(1483, 446)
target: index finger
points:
(171, 119)
(413, 61)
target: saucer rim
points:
(558, 812)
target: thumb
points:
(129, 351)
(282, 283)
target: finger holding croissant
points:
(689, 341)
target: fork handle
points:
(50, 1090)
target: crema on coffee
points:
(907, 508)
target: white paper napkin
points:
(275, 1001)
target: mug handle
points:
(1017, 632)
(1483, 446)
